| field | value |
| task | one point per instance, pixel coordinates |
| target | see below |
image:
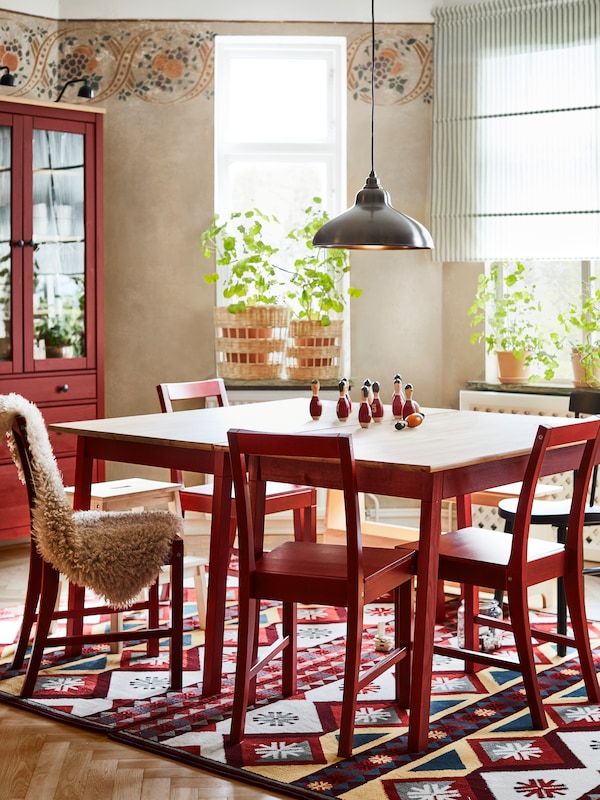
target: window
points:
(558, 285)
(516, 161)
(280, 124)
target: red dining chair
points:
(117, 554)
(343, 575)
(301, 500)
(556, 512)
(515, 561)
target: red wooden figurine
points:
(348, 398)
(364, 412)
(342, 409)
(410, 406)
(316, 407)
(376, 405)
(397, 398)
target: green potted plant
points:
(581, 323)
(55, 332)
(250, 331)
(62, 332)
(317, 296)
(506, 304)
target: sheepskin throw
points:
(115, 553)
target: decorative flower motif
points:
(401, 68)
(80, 61)
(171, 63)
(10, 53)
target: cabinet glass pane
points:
(59, 255)
(5, 251)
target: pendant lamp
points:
(373, 223)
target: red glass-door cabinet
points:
(51, 249)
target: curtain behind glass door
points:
(59, 234)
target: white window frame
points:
(332, 151)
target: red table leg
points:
(217, 576)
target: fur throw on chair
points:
(117, 554)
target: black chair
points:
(556, 512)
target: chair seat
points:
(548, 512)
(303, 573)
(273, 490)
(126, 493)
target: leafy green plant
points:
(508, 308)
(64, 328)
(241, 247)
(317, 282)
(581, 324)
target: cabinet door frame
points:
(89, 361)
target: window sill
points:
(558, 389)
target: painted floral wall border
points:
(174, 62)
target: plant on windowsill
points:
(507, 306)
(581, 323)
(250, 332)
(317, 298)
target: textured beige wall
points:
(159, 196)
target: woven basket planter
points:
(251, 345)
(314, 351)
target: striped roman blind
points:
(516, 130)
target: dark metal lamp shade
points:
(373, 224)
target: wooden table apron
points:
(453, 454)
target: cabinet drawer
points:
(49, 388)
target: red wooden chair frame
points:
(42, 594)
(347, 575)
(513, 562)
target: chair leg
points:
(575, 598)
(176, 649)
(48, 595)
(561, 601)
(153, 645)
(403, 624)
(305, 524)
(201, 590)
(247, 634)
(34, 585)
(519, 616)
(290, 654)
(351, 676)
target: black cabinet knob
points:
(20, 243)
(64, 387)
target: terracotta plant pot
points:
(512, 369)
(580, 378)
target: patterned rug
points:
(481, 744)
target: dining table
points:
(452, 454)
